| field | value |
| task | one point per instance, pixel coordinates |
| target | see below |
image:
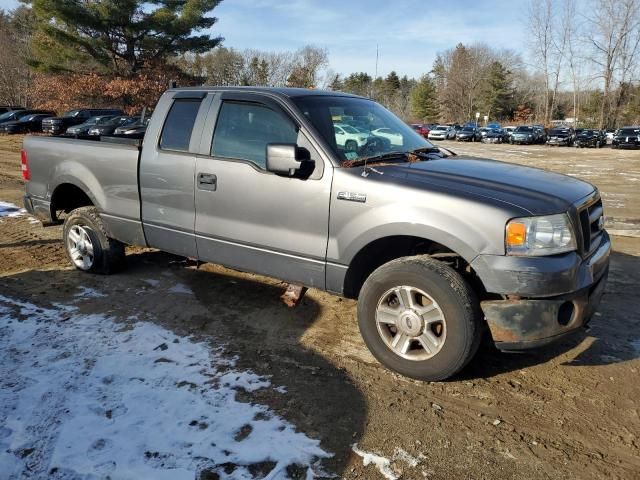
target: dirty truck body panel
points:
(193, 190)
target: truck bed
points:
(106, 171)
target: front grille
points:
(590, 225)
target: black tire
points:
(453, 295)
(108, 254)
(351, 146)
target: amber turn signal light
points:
(516, 234)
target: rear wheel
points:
(419, 318)
(87, 245)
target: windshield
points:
(7, 115)
(524, 129)
(557, 131)
(71, 113)
(468, 129)
(629, 131)
(385, 133)
(442, 128)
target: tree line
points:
(581, 61)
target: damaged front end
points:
(523, 323)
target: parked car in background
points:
(494, 126)
(560, 137)
(348, 137)
(28, 124)
(627, 137)
(83, 128)
(469, 133)
(59, 125)
(609, 134)
(495, 135)
(394, 138)
(508, 130)
(14, 115)
(524, 134)
(137, 129)
(590, 138)
(484, 131)
(421, 129)
(9, 108)
(109, 126)
(442, 132)
(540, 133)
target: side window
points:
(243, 131)
(176, 132)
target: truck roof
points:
(281, 91)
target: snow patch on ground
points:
(181, 288)
(80, 397)
(381, 463)
(152, 281)
(10, 210)
(86, 292)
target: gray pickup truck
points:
(434, 247)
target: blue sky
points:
(409, 32)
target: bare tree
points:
(540, 25)
(613, 37)
(15, 76)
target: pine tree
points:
(424, 104)
(496, 97)
(118, 36)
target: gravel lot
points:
(571, 410)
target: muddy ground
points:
(571, 410)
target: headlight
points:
(536, 236)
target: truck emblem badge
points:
(601, 223)
(352, 197)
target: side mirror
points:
(287, 159)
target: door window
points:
(176, 132)
(243, 131)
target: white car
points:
(348, 137)
(393, 137)
(442, 132)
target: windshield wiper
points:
(419, 154)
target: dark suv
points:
(627, 137)
(561, 136)
(59, 125)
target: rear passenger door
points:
(251, 219)
(167, 167)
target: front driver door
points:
(251, 219)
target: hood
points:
(54, 119)
(536, 191)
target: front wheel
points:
(419, 318)
(87, 245)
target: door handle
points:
(207, 181)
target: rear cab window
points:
(177, 128)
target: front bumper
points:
(53, 129)
(549, 297)
(559, 142)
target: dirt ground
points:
(571, 410)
